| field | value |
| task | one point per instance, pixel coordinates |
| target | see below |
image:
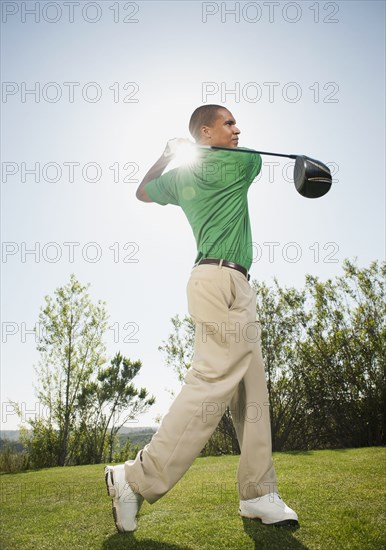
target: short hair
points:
(203, 116)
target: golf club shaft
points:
(240, 150)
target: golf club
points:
(312, 178)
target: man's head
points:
(214, 125)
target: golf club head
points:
(312, 178)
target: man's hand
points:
(173, 145)
(171, 149)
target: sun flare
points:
(186, 153)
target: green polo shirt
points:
(212, 192)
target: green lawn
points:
(339, 496)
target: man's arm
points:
(155, 171)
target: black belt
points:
(225, 263)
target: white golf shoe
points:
(125, 503)
(270, 509)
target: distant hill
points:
(135, 434)
(126, 430)
(138, 436)
(11, 435)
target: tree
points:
(71, 348)
(85, 402)
(344, 357)
(367, 341)
(106, 404)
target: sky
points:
(91, 93)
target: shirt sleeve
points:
(249, 164)
(163, 190)
(252, 165)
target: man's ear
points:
(206, 132)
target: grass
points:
(339, 496)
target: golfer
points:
(227, 367)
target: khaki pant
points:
(227, 370)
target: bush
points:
(12, 461)
(125, 452)
(42, 444)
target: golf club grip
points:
(240, 150)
